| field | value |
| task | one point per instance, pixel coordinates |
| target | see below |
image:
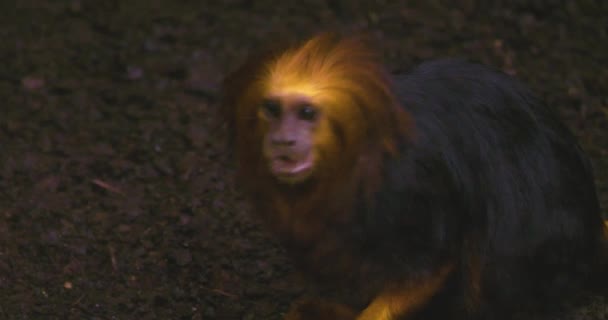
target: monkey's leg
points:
(397, 302)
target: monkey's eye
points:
(271, 108)
(308, 113)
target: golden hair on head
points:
(337, 73)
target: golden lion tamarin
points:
(450, 192)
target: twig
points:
(107, 186)
(222, 293)
(77, 302)
(113, 258)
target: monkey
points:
(450, 191)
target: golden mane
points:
(343, 77)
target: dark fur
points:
(493, 180)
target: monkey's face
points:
(289, 123)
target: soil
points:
(117, 198)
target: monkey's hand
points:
(314, 309)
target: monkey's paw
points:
(314, 309)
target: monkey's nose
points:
(284, 142)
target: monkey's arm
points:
(316, 309)
(422, 185)
(403, 298)
(396, 301)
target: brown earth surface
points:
(116, 191)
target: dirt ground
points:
(116, 191)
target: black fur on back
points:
(492, 178)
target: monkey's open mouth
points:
(291, 169)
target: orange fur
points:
(403, 299)
(336, 75)
(343, 78)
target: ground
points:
(116, 192)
